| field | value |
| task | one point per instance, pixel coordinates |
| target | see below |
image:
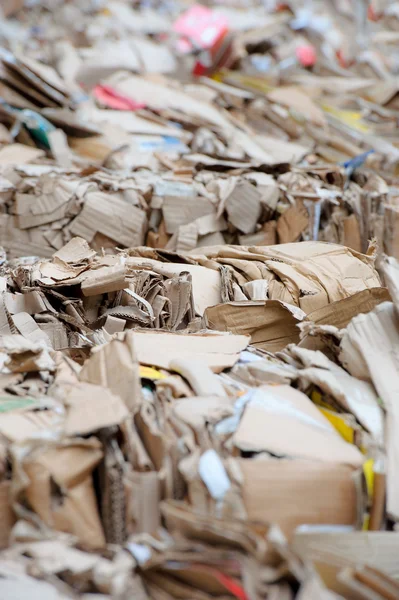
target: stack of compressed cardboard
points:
(44, 205)
(78, 295)
(252, 155)
(184, 445)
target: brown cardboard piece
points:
(283, 421)
(293, 222)
(271, 324)
(178, 211)
(313, 588)
(205, 282)
(160, 349)
(19, 154)
(115, 366)
(199, 411)
(56, 332)
(27, 327)
(309, 275)
(158, 95)
(43, 71)
(367, 584)
(77, 250)
(352, 237)
(200, 377)
(86, 570)
(391, 225)
(90, 408)
(112, 217)
(143, 498)
(26, 355)
(243, 206)
(31, 303)
(354, 549)
(7, 518)
(104, 280)
(340, 313)
(319, 495)
(353, 395)
(60, 149)
(58, 487)
(36, 78)
(111, 484)
(195, 525)
(367, 351)
(51, 202)
(19, 426)
(298, 101)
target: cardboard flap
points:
(179, 211)
(115, 366)
(243, 207)
(90, 408)
(68, 504)
(271, 324)
(284, 422)
(76, 251)
(367, 351)
(160, 349)
(104, 280)
(112, 217)
(341, 312)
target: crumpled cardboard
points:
(73, 569)
(365, 333)
(191, 436)
(357, 396)
(56, 483)
(271, 324)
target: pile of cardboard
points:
(78, 296)
(107, 127)
(44, 205)
(193, 405)
(144, 408)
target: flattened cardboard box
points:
(293, 492)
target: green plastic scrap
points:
(8, 403)
(37, 126)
